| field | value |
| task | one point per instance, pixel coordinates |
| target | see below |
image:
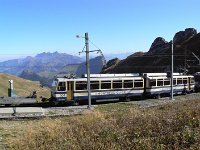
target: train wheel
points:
(124, 99)
(75, 103)
(53, 103)
(157, 96)
(128, 99)
(93, 101)
(184, 93)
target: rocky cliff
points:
(158, 58)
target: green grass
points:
(66, 69)
(112, 107)
(47, 74)
(70, 68)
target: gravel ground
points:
(165, 100)
(77, 110)
(67, 111)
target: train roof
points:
(165, 77)
(102, 79)
(160, 74)
(130, 76)
(111, 75)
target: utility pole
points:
(88, 69)
(88, 64)
(172, 71)
(185, 61)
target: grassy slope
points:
(67, 69)
(171, 126)
(22, 87)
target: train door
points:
(189, 84)
(70, 90)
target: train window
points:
(117, 84)
(138, 83)
(105, 84)
(81, 85)
(174, 81)
(128, 83)
(61, 86)
(179, 81)
(167, 82)
(94, 85)
(184, 80)
(153, 82)
(160, 82)
(192, 81)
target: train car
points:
(158, 84)
(121, 86)
(103, 86)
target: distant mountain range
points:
(51, 62)
(96, 65)
(43, 67)
(46, 78)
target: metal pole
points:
(172, 72)
(10, 91)
(185, 61)
(88, 69)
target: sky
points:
(29, 27)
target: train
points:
(124, 87)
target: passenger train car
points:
(122, 86)
(158, 84)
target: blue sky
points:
(28, 27)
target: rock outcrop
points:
(158, 58)
(183, 36)
(160, 45)
(110, 65)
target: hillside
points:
(96, 65)
(22, 87)
(158, 58)
(46, 78)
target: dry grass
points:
(174, 126)
(22, 87)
